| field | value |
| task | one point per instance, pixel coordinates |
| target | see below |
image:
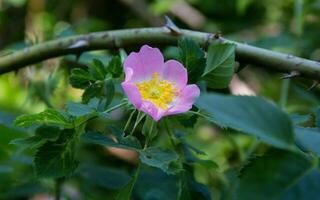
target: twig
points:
(128, 37)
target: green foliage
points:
(198, 148)
(97, 80)
(43, 134)
(244, 113)
(47, 117)
(220, 65)
(56, 159)
(109, 178)
(190, 189)
(166, 160)
(97, 70)
(80, 78)
(192, 57)
(115, 67)
(128, 142)
(308, 138)
(125, 192)
(306, 188)
(269, 176)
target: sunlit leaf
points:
(308, 138)
(271, 175)
(129, 142)
(192, 57)
(104, 176)
(47, 117)
(160, 158)
(114, 67)
(57, 159)
(252, 115)
(220, 65)
(97, 70)
(80, 78)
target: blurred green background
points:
(290, 26)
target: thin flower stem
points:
(116, 107)
(199, 114)
(129, 120)
(140, 116)
(146, 143)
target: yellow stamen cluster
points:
(159, 92)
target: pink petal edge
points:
(175, 72)
(133, 94)
(144, 63)
(185, 101)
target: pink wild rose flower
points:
(156, 87)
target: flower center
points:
(159, 92)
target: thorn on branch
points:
(170, 25)
(218, 35)
(78, 55)
(291, 75)
(78, 44)
(314, 85)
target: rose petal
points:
(144, 63)
(133, 94)
(174, 71)
(152, 110)
(185, 100)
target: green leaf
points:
(109, 91)
(29, 142)
(308, 187)
(57, 159)
(47, 117)
(115, 67)
(190, 189)
(252, 115)
(149, 128)
(308, 138)
(48, 132)
(165, 160)
(81, 112)
(125, 192)
(94, 90)
(220, 65)
(104, 176)
(78, 109)
(188, 120)
(43, 134)
(97, 70)
(80, 78)
(318, 117)
(129, 142)
(208, 164)
(192, 57)
(269, 176)
(299, 119)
